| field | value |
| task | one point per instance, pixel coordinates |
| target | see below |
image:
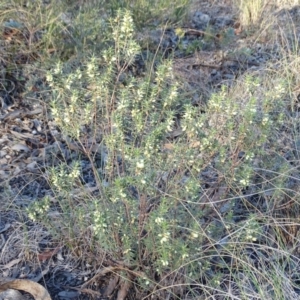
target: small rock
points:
(163, 38)
(230, 65)
(228, 76)
(68, 295)
(11, 295)
(13, 24)
(215, 78)
(221, 22)
(20, 148)
(200, 20)
(66, 18)
(31, 166)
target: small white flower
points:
(265, 120)
(140, 164)
(184, 255)
(164, 262)
(158, 220)
(122, 194)
(244, 182)
(74, 174)
(164, 237)
(57, 68)
(194, 235)
(126, 251)
(49, 78)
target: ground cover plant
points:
(153, 185)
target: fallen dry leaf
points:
(47, 254)
(168, 146)
(11, 263)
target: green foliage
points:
(153, 211)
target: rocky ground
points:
(30, 142)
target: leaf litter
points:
(30, 143)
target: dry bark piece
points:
(36, 290)
(112, 285)
(124, 289)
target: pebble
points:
(200, 20)
(221, 22)
(68, 295)
(228, 76)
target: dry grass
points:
(222, 190)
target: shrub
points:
(166, 186)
